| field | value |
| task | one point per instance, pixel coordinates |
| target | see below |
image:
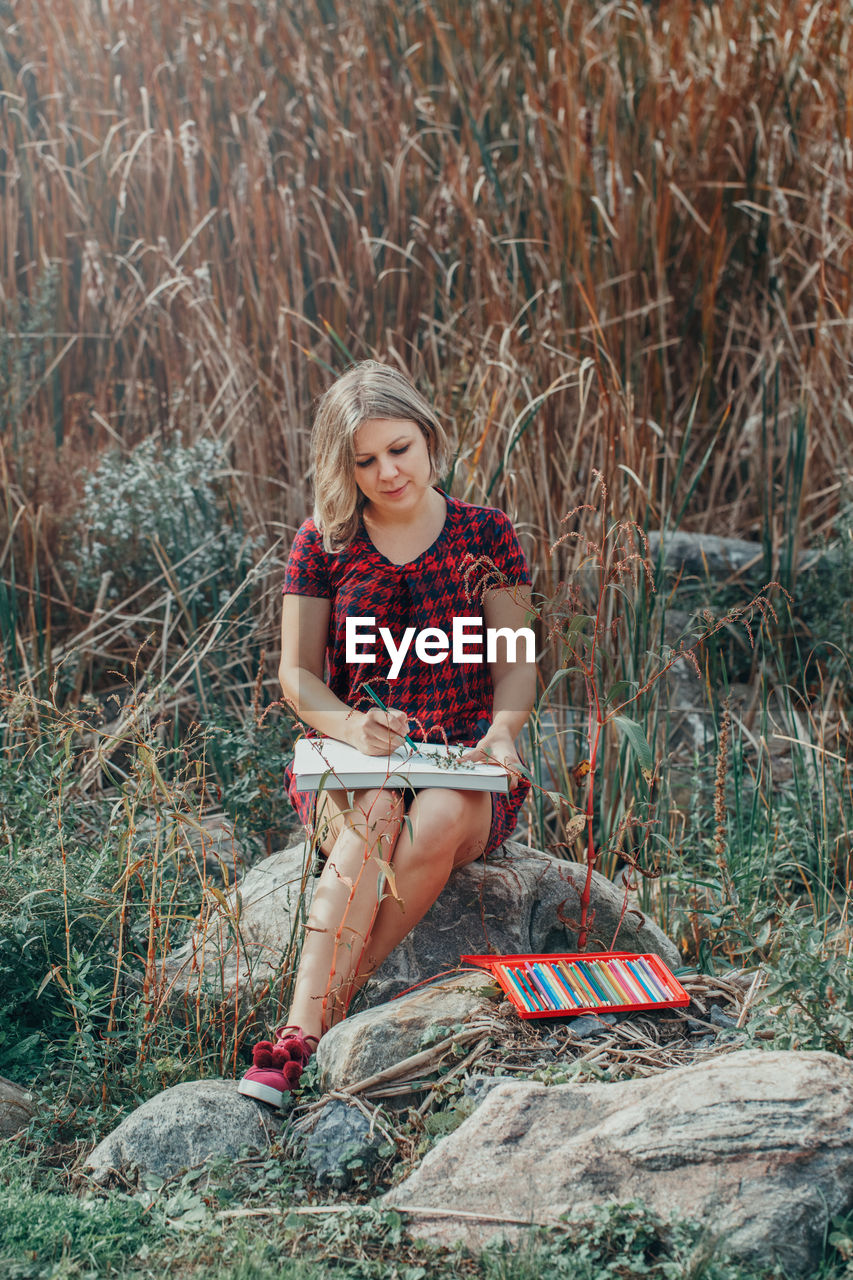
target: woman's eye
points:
(366, 462)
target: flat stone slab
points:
(180, 1128)
(757, 1144)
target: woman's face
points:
(392, 465)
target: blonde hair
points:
(367, 390)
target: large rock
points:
(520, 900)
(17, 1108)
(709, 555)
(339, 1142)
(379, 1038)
(208, 845)
(757, 1144)
(241, 947)
(706, 554)
(180, 1128)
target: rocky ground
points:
(480, 1124)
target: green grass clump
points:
(618, 1242)
(54, 898)
(96, 889)
(45, 1233)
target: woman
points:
(386, 544)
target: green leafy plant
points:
(247, 750)
(807, 1002)
(96, 892)
(161, 511)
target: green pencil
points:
(381, 705)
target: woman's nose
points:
(387, 465)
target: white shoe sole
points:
(263, 1092)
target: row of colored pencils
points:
(545, 986)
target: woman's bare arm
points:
(514, 683)
(304, 635)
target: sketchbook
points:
(327, 763)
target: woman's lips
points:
(394, 493)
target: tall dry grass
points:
(612, 237)
(587, 229)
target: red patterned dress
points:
(445, 701)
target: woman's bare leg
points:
(445, 829)
(349, 933)
(344, 905)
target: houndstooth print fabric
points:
(444, 701)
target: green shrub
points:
(171, 498)
(93, 894)
(808, 1000)
(617, 1242)
(40, 898)
(248, 755)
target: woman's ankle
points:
(310, 1036)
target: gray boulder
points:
(379, 1038)
(520, 900)
(244, 944)
(710, 555)
(477, 1087)
(17, 1108)
(209, 844)
(706, 554)
(180, 1128)
(340, 1143)
(759, 1145)
(592, 1024)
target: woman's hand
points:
(375, 732)
(497, 747)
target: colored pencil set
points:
(542, 986)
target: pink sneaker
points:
(276, 1068)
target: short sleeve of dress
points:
(308, 570)
(507, 553)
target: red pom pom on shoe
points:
(300, 1046)
(291, 1049)
(262, 1054)
(291, 1072)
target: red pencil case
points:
(558, 986)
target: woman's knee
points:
(449, 819)
(457, 808)
(377, 811)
